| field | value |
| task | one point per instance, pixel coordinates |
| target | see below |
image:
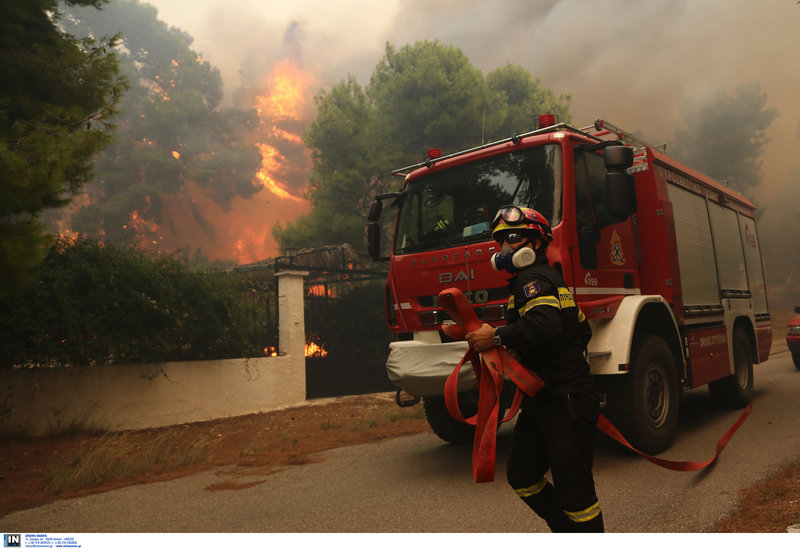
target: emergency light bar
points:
(546, 120)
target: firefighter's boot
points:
(593, 526)
(541, 497)
(589, 520)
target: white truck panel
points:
(755, 270)
(696, 261)
(728, 244)
(610, 346)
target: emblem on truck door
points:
(617, 255)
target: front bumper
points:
(421, 368)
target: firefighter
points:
(548, 333)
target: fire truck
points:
(664, 262)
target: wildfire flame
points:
(144, 227)
(241, 229)
(286, 100)
(270, 158)
(314, 350)
(311, 350)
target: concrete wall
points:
(42, 401)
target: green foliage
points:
(345, 163)
(57, 96)
(171, 131)
(521, 99)
(94, 303)
(725, 137)
(427, 95)
(420, 96)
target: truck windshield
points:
(456, 206)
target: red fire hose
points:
(490, 369)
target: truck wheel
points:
(644, 404)
(796, 359)
(448, 428)
(445, 426)
(736, 390)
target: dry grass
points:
(34, 471)
(115, 457)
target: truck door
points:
(605, 263)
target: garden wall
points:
(45, 400)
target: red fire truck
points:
(663, 260)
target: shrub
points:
(99, 303)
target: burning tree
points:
(172, 143)
(185, 173)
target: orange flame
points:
(314, 350)
(271, 159)
(311, 350)
(241, 229)
(286, 96)
(287, 99)
(144, 228)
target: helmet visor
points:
(511, 215)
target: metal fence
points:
(260, 312)
(347, 339)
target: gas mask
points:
(511, 261)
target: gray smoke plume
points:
(644, 66)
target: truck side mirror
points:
(374, 226)
(620, 186)
(375, 210)
(374, 240)
(374, 230)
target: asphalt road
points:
(419, 484)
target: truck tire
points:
(796, 359)
(644, 404)
(736, 390)
(448, 428)
(445, 426)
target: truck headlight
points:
(793, 330)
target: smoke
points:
(640, 65)
(644, 66)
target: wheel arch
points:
(657, 318)
(745, 323)
(612, 339)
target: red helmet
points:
(516, 218)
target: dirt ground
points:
(36, 471)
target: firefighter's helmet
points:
(516, 218)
